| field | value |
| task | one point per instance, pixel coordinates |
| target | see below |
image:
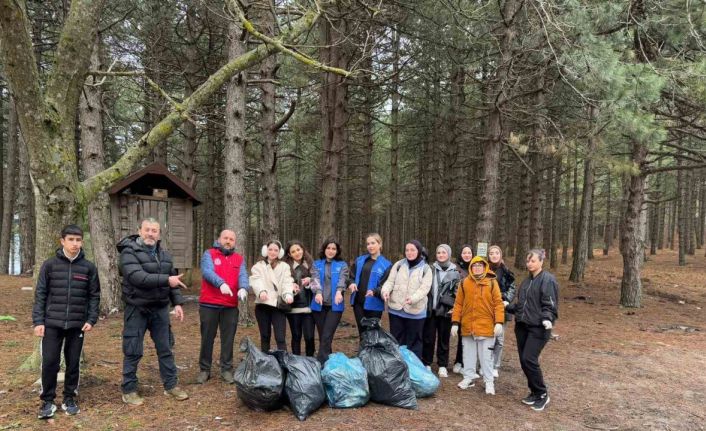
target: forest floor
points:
(610, 369)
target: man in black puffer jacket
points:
(65, 306)
(150, 284)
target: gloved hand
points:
(242, 294)
(288, 298)
(547, 324)
(498, 330)
(454, 331)
(225, 289)
(505, 303)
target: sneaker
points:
(177, 393)
(227, 377)
(133, 399)
(47, 410)
(529, 399)
(541, 403)
(428, 367)
(202, 377)
(495, 373)
(466, 383)
(70, 407)
(458, 368)
(490, 388)
(443, 372)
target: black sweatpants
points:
(437, 331)
(302, 324)
(213, 319)
(54, 338)
(408, 332)
(269, 317)
(530, 342)
(136, 323)
(459, 352)
(360, 312)
(326, 324)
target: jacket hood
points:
(130, 241)
(487, 273)
(60, 254)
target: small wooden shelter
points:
(153, 191)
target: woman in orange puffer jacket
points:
(480, 314)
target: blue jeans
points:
(136, 322)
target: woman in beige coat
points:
(405, 293)
(271, 278)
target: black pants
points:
(360, 312)
(302, 324)
(269, 317)
(437, 331)
(213, 319)
(326, 324)
(408, 332)
(530, 342)
(136, 322)
(72, 340)
(459, 352)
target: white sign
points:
(482, 249)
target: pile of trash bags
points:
(383, 372)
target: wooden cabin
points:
(153, 191)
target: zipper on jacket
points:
(524, 304)
(68, 298)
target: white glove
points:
(505, 303)
(547, 324)
(454, 331)
(498, 330)
(242, 294)
(225, 289)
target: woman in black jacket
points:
(535, 311)
(301, 321)
(506, 280)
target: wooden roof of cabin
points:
(155, 176)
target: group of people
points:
(427, 304)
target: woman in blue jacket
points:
(329, 276)
(367, 275)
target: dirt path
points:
(611, 368)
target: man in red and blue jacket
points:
(224, 280)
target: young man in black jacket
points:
(65, 307)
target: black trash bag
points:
(259, 379)
(388, 375)
(303, 388)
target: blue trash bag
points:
(345, 381)
(388, 375)
(424, 382)
(259, 379)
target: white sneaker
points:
(495, 373)
(490, 388)
(428, 367)
(466, 383)
(443, 372)
(458, 368)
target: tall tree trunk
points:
(334, 117)
(495, 134)
(25, 211)
(10, 191)
(580, 254)
(554, 230)
(156, 39)
(691, 210)
(522, 244)
(396, 220)
(591, 228)
(681, 211)
(99, 214)
(608, 228)
(567, 216)
(631, 243)
(191, 75)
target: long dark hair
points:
(306, 257)
(326, 243)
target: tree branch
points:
(282, 121)
(279, 46)
(136, 152)
(650, 171)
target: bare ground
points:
(610, 369)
